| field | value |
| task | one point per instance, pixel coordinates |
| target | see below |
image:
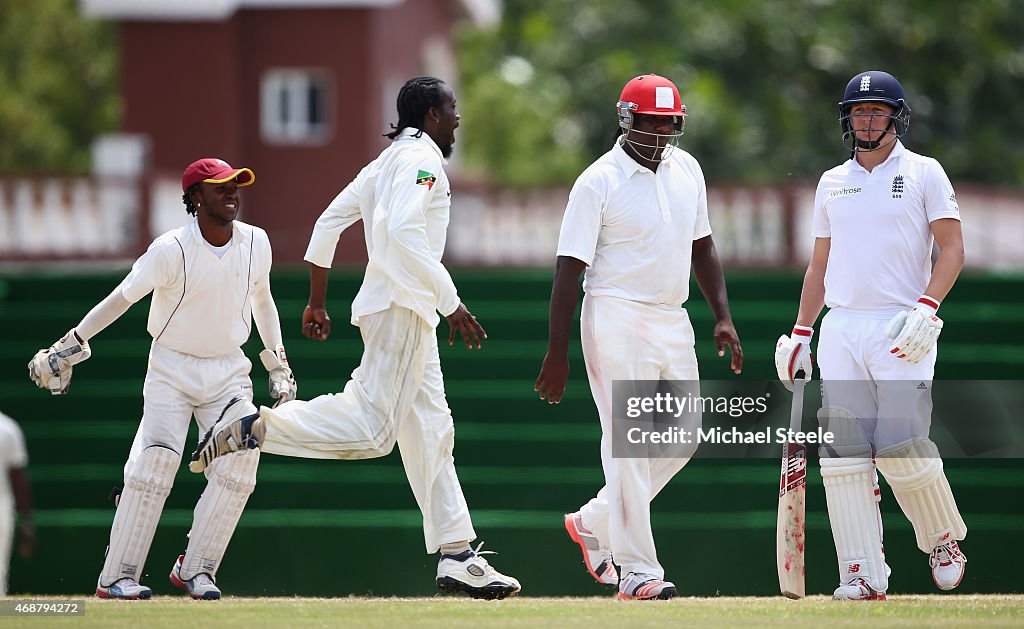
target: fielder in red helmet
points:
(636, 220)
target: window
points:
(295, 106)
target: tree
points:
(58, 86)
(760, 81)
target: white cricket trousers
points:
(6, 541)
(628, 340)
(396, 394)
(891, 398)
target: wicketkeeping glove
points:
(915, 333)
(794, 354)
(51, 368)
(282, 382)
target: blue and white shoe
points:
(239, 427)
(470, 573)
(127, 589)
(200, 587)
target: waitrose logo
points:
(842, 192)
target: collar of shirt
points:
(630, 166)
(417, 134)
(897, 152)
(237, 233)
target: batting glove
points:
(915, 333)
(793, 354)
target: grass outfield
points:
(815, 611)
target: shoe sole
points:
(257, 432)
(877, 597)
(951, 587)
(574, 535)
(487, 592)
(664, 595)
(145, 596)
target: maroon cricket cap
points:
(213, 170)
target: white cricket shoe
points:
(948, 565)
(857, 590)
(597, 558)
(470, 573)
(126, 588)
(239, 427)
(200, 587)
(645, 587)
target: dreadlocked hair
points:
(186, 198)
(414, 99)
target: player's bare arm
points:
(949, 238)
(554, 371)
(793, 352)
(316, 324)
(708, 270)
(463, 322)
(812, 296)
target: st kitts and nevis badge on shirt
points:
(424, 178)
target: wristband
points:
(802, 334)
(928, 304)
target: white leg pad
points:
(230, 481)
(914, 471)
(146, 486)
(853, 515)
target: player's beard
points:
(446, 150)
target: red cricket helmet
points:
(653, 95)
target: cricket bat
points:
(790, 528)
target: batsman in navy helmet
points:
(874, 87)
(877, 217)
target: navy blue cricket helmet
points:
(874, 86)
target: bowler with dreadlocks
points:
(210, 280)
(396, 394)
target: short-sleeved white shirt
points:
(12, 455)
(201, 303)
(879, 223)
(404, 199)
(634, 228)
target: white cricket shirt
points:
(202, 304)
(12, 455)
(404, 199)
(879, 223)
(635, 228)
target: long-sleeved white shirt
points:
(204, 305)
(404, 198)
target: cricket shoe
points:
(645, 587)
(857, 590)
(239, 427)
(948, 565)
(597, 558)
(200, 587)
(127, 588)
(470, 573)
